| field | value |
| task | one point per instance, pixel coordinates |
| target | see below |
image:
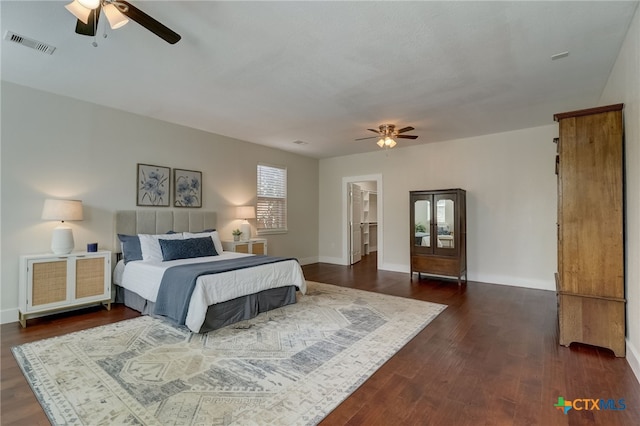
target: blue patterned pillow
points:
(187, 249)
(130, 247)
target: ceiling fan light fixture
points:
(79, 11)
(89, 26)
(89, 4)
(387, 135)
(114, 16)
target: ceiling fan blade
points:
(406, 137)
(406, 129)
(89, 29)
(361, 139)
(149, 23)
(374, 131)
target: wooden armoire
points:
(438, 233)
(590, 277)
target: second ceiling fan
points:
(387, 135)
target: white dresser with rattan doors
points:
(50, 283)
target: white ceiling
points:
(323, 72)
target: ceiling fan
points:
(387, 134)
(118, 13)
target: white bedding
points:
(143, 278)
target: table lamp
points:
(62, 238)
(244, 213)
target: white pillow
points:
(214, 236)
(150, 247)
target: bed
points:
(171, 264)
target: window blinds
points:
(271, 208)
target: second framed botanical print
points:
(187, 188)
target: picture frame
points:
(153, 185)
(187, 188)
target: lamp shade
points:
(246, 212)
(62, 210)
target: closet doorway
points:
(362, 218)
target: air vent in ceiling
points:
(28, 42)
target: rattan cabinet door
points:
(90, 277)
(258, 248)
(48, 282)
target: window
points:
(441, 212)
(271, 209)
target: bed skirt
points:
(221, 314)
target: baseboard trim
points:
(488, 279)
(513, 281)
(308, 260)
(394, 267)
(8, 315)
(633, 358)
(483, 278)
(332, 260)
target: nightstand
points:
(51, 282)
(252, 246)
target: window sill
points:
(273, 232)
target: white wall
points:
(511, 201)
(54, 146)
(624, 86)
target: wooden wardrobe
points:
(590, 277)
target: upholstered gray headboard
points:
(132, 222)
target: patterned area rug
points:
(290, 366)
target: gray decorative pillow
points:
(187, 249)
(130, 247)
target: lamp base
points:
(62, 240)
(245, 227)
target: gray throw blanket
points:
(179, 281)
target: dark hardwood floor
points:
(491, 358)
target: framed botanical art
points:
(187, 188)
(153, 185)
